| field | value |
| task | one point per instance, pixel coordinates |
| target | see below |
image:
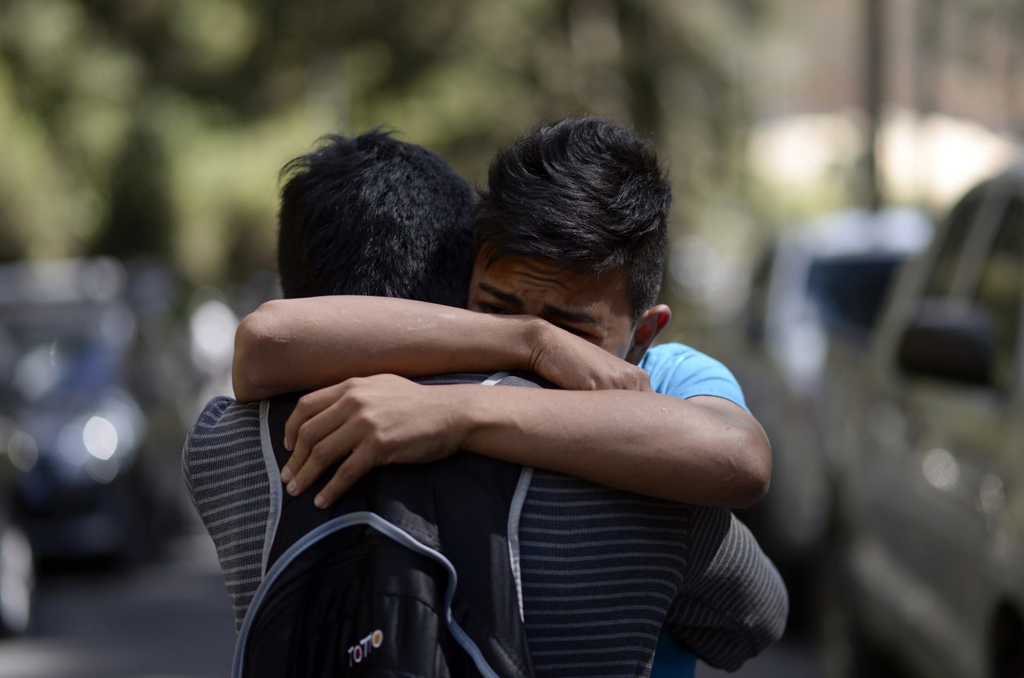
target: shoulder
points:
(223, 423)
(223, 412)
(674, 359)
(684, 372)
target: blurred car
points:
(927, 429)
(17, 561)
(828, 277)
(79, 435)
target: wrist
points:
(461, 404)
(535, 335)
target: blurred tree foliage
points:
(157, 126)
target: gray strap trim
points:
(514, 514)
(515, 511)
(389, 530)
(494, 378)
(470, 647)
(276, 500)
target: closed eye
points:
(492, 308)
(578, 332)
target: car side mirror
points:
(949, 340)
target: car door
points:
(932, 454)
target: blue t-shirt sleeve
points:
(683, 372)
(672, 659)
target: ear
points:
(648, 327)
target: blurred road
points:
(169, 620)
(173, 620)
(786, 659)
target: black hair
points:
(375, 216)
(586, 193)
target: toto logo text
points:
(361, 650)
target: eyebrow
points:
(562, 314)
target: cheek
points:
(621, 342)
(616, 345)
(475, 303)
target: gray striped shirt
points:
(602, 570)
(227, 478)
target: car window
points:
(999, 289)
(849, 291)
(954, 240)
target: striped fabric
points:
(227, 479)
(604, 570)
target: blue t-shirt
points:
(683, 372)
(680, 371)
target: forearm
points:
(651, 444)
(299, 344)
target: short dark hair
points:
(375, 216)
(586, 193)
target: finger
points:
(312, 432)
(633, 378)
(332, 448)
(351, 470)
(308, 407)
(640, 381)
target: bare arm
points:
(703, 450)
(297, 344)
(631, 441)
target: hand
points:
(575, 364)
(366, 422)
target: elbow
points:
(253, 346)
(753, 467)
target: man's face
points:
(595, 307)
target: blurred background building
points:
(140, 142)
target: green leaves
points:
(174, 116)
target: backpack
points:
(412, 573)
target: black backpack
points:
(412, 573)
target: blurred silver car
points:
(927, 429)
(824, 279)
